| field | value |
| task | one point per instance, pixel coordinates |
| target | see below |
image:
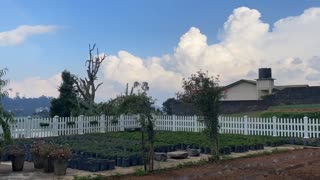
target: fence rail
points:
(59, 126)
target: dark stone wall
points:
(229, 107)
(183, 109)
(301, 95)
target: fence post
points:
(28, 127)
(174, 120)
(55, 126)
(245, 118)
(305, 127)
(196, 127)
(121, 122)
(102, 123)
(154, 121)
(274, 126)
(80, 124)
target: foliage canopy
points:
(5, 117)
(204, 93)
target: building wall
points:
(242, 91)
(264, 87)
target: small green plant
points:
(139, 172)
(265, 153)
(61, 153)
(98, 177)
(71, 123)
(226, 157)
(46, 149)
(93, 122)
(42, 124)
(117, 174)
(277, 150)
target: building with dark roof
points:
(244, 89)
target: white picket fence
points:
(60, 126)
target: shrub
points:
(16, 150)
(35, 147)
(139, 172)
(42, 124)
(46, 149)
(71, 123)
(292, 114)
(61, 153)
(93, 122)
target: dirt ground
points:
(297, 164)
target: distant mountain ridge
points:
(22, 106)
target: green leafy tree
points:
(66, 104)
(5, 117)
(204, 93)
(167, 105)
(138, 103)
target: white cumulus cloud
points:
(290, 47)
(36, 86)
(21, 33)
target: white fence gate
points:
(59, 126)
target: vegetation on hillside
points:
(22, 106)
(285, 111)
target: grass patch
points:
(296, 106)
(265, 153)
(249, 114)
(97, 177)
(140, 172)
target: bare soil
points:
(296, 164)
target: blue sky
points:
(142, 28)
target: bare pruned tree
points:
(87, 87)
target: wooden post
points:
(245, 119)
(274, 126)
(55, 126)
(80, 124)
(28, 126)
(102, 123)
(174, 120)
(196, 123)
(305, 127)
(121, 122)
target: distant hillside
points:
(22, 106)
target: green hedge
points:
(291, 114)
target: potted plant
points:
(45, 153)
(61, 156)
(17, 155)
(35, 150)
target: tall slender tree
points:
(139, 103)
(66, 104)
(204, 93)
